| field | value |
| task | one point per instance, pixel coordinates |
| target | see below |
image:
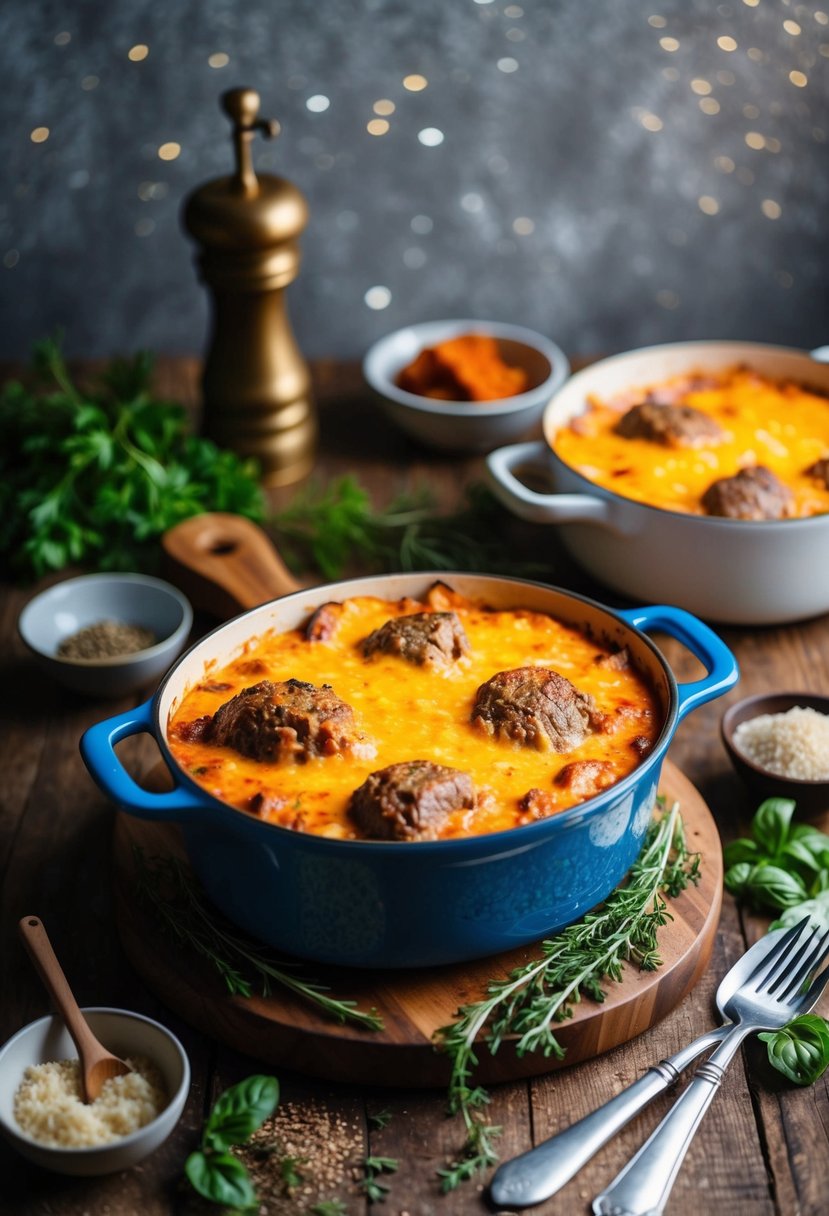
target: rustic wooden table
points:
(764, 1147)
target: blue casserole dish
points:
(419, 903)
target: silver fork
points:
(773, 995)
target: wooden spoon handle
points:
(225, 563)
(37, 943)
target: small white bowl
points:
(138, 599)
(125, 1034)
(466, 426)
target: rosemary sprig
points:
(331, 526)
(168, 887)
(575, 962)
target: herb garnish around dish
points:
(167, 886)
(780, 865)
(575, 962)
(212, 1170)
(785, 868)
(96, 475)
(327, 528)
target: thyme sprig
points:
(168, 887)
(576, 962)
(328, 527)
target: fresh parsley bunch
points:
(212, 1170)
(95, 477)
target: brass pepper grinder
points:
(256, 386)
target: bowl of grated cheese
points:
(44, 1117)
(779, 744)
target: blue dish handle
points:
(720, 664)
(98, 750)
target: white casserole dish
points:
(734, 571)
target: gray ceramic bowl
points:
(138, 599)
(811, 797)
(125, 1034)
(466, 426)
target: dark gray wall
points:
(545, 108)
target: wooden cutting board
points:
(285, 1031)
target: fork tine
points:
(817, 957)
(797, 965)
(812, 996)
(769, 961)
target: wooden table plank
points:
(764, 1147)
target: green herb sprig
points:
(327, 528)
(212, 1170)
(800, 1050)
(375, 1190)
(784, 867)
(168, 887)
(329, 1207)
(576, 962)
(780, 865)
(95, 476)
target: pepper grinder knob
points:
(242, 108)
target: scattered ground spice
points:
(106, 640)
(327, 1150)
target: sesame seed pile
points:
(792, 744)
(327, 1150)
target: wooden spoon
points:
(225, 563)
(97, 1064)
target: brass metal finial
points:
(242, 108)
(256, 385)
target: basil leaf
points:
(816, 909)
(737, 878)
(239, 1111)
(773, 887)
(770, 826)
(801, 1049)
(798, 853)
(220, 1178)
(741, 850)
(815, 841)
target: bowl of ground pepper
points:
(106, 635)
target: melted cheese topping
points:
(417, 713)
(780, 425)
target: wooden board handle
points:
(225, 563)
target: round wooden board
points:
(286, 1031)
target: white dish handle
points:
(820, 354)
(541, 508)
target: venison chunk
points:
(753, 493)
(410, 801)
(289, 720)
(674, 426)
(426, 639)
(536, 707)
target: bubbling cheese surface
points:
(411, 712)
(782, 426)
